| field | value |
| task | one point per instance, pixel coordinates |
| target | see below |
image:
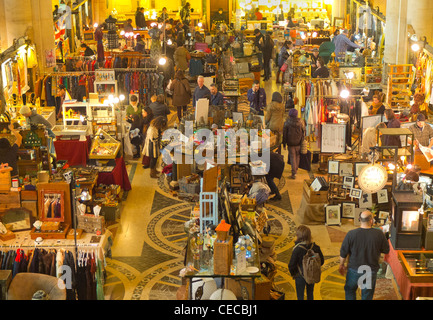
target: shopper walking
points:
(181, 93)
(268, 49)
(274, 117)
(152, 143)
(364, 246)
(136, 134)
(147, 117)
(303, 243)
(293, 135)
(276, 169)
(181, 56)
(283, 55)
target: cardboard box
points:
(314, 197)
(223, 256)
(262, 287)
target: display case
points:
(104, 146)
(418, 265)
(75, 113)
(406, 226)
(103, 117)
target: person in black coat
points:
(293, 135)
(268, 48)
(303, 242)
(321, 71)
(136, 133)
(276, 169)
(88, 52)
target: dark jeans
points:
(181, 112)
(294, 157)
(267, 68)
(301, 285)
(272, 185)
(351, 285)
(153, 162)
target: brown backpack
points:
(311, 265)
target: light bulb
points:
(345, 94)
(415, 47)
(169, 42)
(200, 24)
(162, 61)
(110, 98)
(95, 25)
(122, 97)
(116, 100)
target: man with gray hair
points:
(364, 247)
(200, 92)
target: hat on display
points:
(420, 117)
(25, 110)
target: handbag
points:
(304, 146)
(284, 67)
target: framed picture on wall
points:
(382, 196)
(333, 167)
(333, 215)
(383, 215)
(366, 201)
(359, 166)
(346, 169)
(348, 182)
(355, 193)
(348, 210)
(339, 22)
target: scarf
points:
(375, 107)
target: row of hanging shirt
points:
(88, 270)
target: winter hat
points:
(24, 110)
(276, 96)
(293, 113)
(420, 117)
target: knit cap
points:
(293, 113)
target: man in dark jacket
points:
(293, 135)
(276, 169)
(140, 20)
(159, 108)
(257, 98)
(259, 42)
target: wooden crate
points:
(223, 256)
(91, 223)
(5, 181)
(9, 200)
(29, 195)
(262, 287)
(314, 197)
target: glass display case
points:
(418, 265)
(104, 146)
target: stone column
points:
(43, 30)
(396, 32)
(420, 16)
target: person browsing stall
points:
(321, 71)
(32, 117)
(342, 43)
(422, 133)
(134, 107)
(8, 153)
(200, 92)
(364, 245)
(217, 98)
(257, 98)
(377, 107)
(159, 108)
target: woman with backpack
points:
(305, 263)
(293, 135)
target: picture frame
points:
(430, 222)
(52, 207)
(333, 138)
(357, 220)
(333, 215)
(348, 210)
(366, 201)
(333, 167)
(355, 193)
(359, 166)
(346, 169)
(382, 196)
(383, 215)
(348, 182)
(338, 22)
